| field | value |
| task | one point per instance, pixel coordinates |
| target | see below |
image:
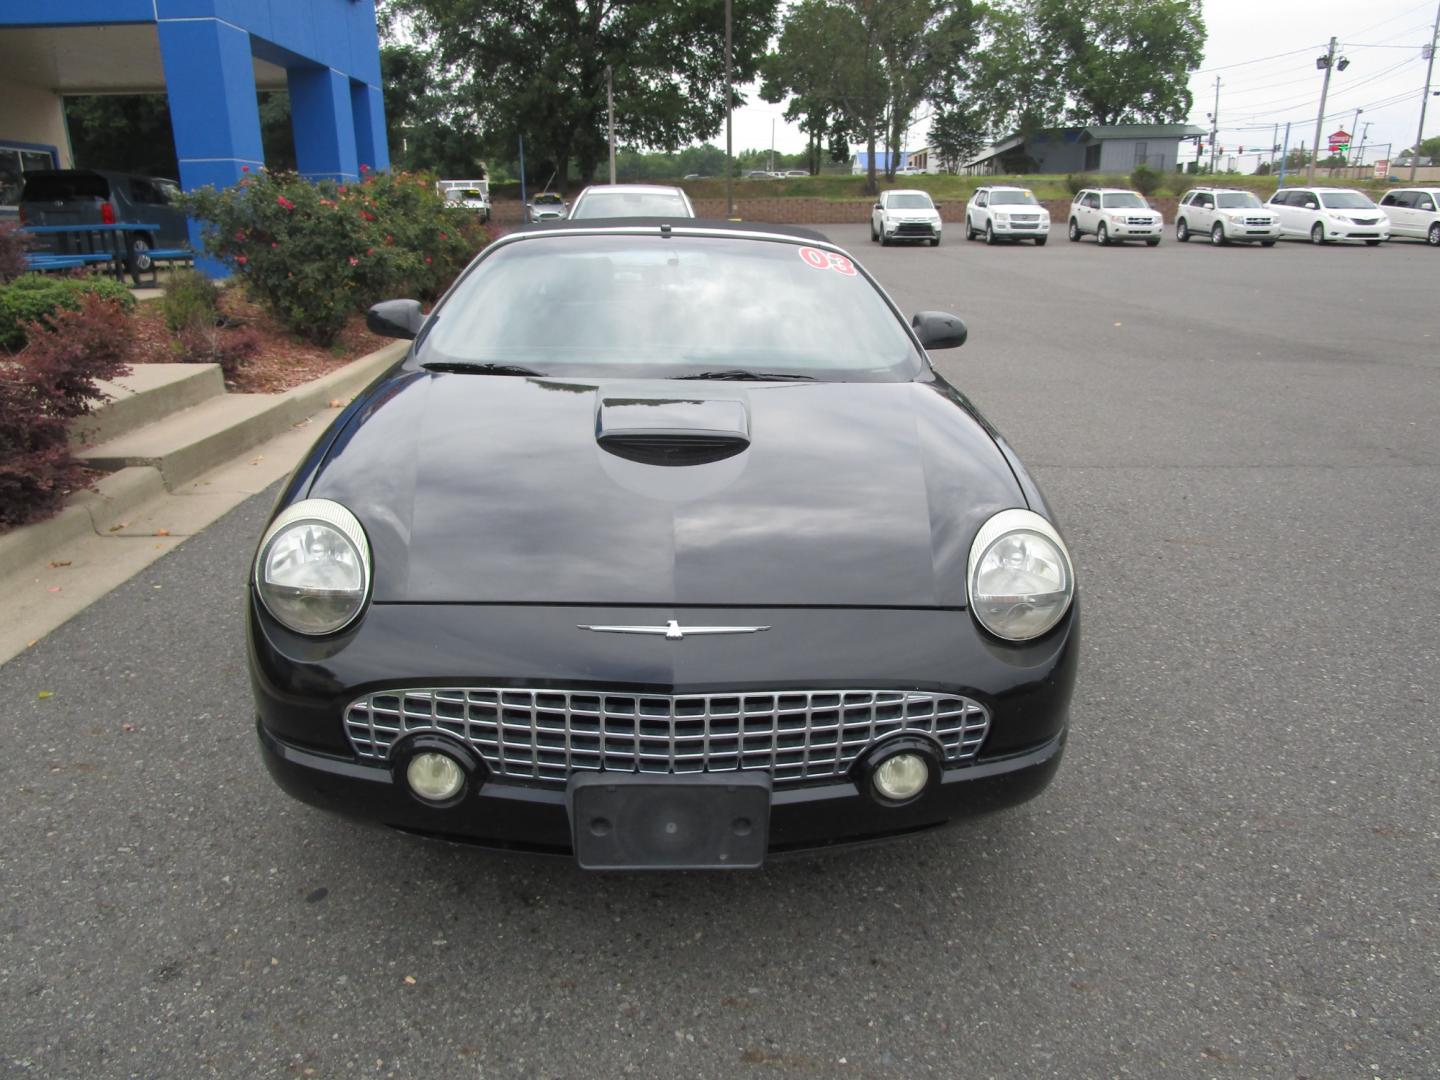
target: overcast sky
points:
(1259, 86)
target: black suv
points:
(96, 197)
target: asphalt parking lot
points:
(1236, 873)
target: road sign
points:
(1339, 141)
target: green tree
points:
(1087, 62)
(1430, 149)
(957, 133)
(921, 41)
(803, 68)
(539, 70)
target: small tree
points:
(1145, 180)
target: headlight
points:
(313, 569)
(1021, 581)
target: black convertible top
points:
(796, 232)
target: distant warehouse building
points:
(1116, 148)
(210, 57)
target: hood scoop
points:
(672, 430)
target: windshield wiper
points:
(477, 367)
(745, 375)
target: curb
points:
(117, 494)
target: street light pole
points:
(610, 115)
(729, 108)
(1328, 63)
(1215, 126)
(1425, 100)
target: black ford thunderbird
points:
(694, 561)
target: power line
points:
(1258, 60)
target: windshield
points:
(1012, 198)
(1236, 200)
(918, 201)
(647, 306)
(611, 204)
(547, 200)
(1122, 200)
(1345, 200)
(65, 187)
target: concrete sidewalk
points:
(176, 473)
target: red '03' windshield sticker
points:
(827, 260)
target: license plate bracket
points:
(709, 821)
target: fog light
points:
(434, 777)
(902, 776)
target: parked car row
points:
(1222, 215)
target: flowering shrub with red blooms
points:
(313, 253)
(48, 385)
(13, 243)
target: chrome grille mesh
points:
(545, 735)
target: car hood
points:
(495, 489)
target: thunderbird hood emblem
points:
(672, 630)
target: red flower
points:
(241, 259)
(341, 189)
(286, 203)
(240, 236)
(367, 215)
(354, 261)
(389, 239)
(244, 168)
(273, 244)
(364, 168)
(443, 235)
(369, 251)
(427, 260)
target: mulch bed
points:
(283, 362)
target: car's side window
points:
(143, 192)
(1092, 201)
(1391, 198)
(1207, 201)
(1423, 201)
(1308, 199)
(983, 199)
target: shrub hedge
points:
(35, 298)
(312, 253)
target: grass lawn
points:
(943, 188)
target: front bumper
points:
(1020, 228)
(1123, 231)
(1357, 232)
(1241, 232)
(912, 230)
(509, 816)
(303, 687)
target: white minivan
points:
(1414, 212)
(1323, 215)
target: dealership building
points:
(210, 57)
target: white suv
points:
(998, 212)
(1114, 215)
(1226, 215)
(1414, 212)
(905, 215)
(1326, 214)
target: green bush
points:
(36, 297)
(313, 253)
(1075, 184)
(1145, 180)
(191, 299)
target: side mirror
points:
(877, 206)
(939, 330)
(395, 318)
(937, 205)
(1312, 206)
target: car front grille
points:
(1025, 219)
(1259, 222)
(1139, 221)
(545, 735)
(915, 228)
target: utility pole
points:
(524, 203)
(1364, 136)
(772, 144)
(1353, 131)
(1429, 71)
(1284, 155)
(610, 115)
(1215, 126)
(729, 107)
(1274, 145)
(1328, 63)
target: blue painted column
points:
(368, 106)
(210, 77)
(324, 126)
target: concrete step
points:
(187, 443)
(149, 393)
